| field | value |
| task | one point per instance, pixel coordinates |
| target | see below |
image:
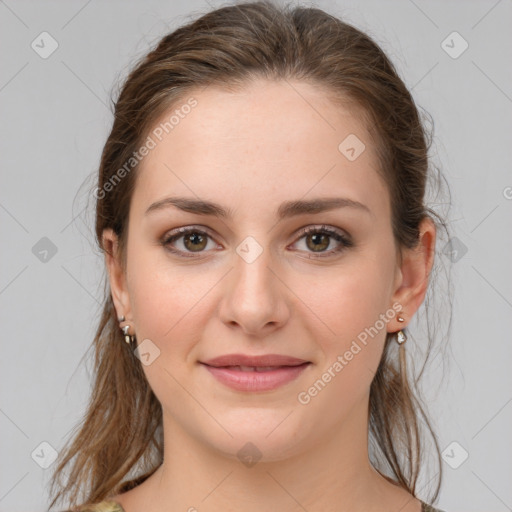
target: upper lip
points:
(257, 361)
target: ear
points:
(116, 273)
(413, 274)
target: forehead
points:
(267, 142)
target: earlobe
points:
(415, 271)
(116, 274)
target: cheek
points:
(352, 344)
(166, 301)
(352, 303)
(350, 300)
(166, 307)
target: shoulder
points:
(113, 506)
(103, 506)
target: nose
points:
(254, 296)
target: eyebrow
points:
(286, 210)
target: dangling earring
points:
(129, 338)
(401, 338)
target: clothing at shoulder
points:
(103, 506)
(428, 508)
(113, 506)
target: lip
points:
(285, 370)
(246, 360)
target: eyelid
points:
(321, 228)
(186, 229)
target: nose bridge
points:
(253, 267)
(253, 298)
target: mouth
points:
(244, 361)
(256, 378)
(254, 368)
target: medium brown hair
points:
(120, 440)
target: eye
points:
(317, 239)
(194, 241)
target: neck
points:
(333, 474)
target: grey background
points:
(55, 116)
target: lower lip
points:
(256, 381)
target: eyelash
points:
(345, 241)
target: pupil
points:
(316, 237)
(195, 238)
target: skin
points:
(249, 151)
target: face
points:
(253, 282)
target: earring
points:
(401, 338)
(121, 319)
(129, 338)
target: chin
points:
(260, 437)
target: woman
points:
(260, 205)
